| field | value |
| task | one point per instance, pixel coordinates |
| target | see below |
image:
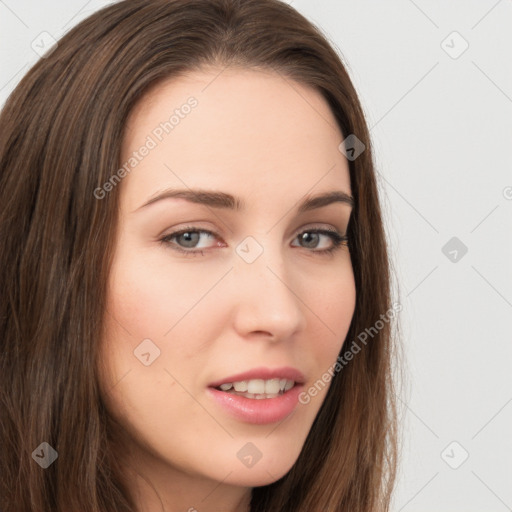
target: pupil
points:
(310, 239)
(190, 239)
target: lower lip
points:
(259, 412)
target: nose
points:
(267, 298)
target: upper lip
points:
(285, 372)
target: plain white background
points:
(440, 117)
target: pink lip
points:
(286, 372)
(266, 410)
(258, 412)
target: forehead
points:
(246, 129)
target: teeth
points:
(241, 386)
(258, 388)
(272, 386)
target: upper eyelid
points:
(210, 232)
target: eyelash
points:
(337, 240)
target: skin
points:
(270, 142)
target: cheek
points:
(332, 308)
(145, 300)
(337, 303)
(139, 297)
(149, 295)
(155, 307)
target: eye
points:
(188, 240)
(313, 238)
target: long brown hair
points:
(61, 132)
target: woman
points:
(196, 306)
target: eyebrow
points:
(223, 200)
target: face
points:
(217, 301)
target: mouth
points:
(259, 396)
(258, 389)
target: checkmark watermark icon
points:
(45, 455)
(44, 44)
(352, 147)
(455, 455)
(454, 45)
(249, 249)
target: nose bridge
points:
(266, 297)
